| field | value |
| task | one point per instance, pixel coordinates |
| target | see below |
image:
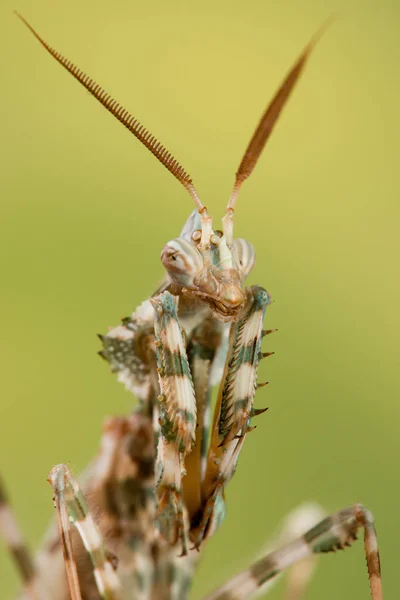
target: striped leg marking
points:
(71, 508)
(333, 533)
(233, 411)
(203, 346)
(14, 540)
(294, 525)
(177, 405)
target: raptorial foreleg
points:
(207, 348)
(233, 411)
(331, 534)
(177, 406)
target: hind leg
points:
(71, 508)
(333, 533)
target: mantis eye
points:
(244, 256)
(180, 257)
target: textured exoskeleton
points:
(155, 491)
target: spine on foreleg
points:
(177, 405)
(234, 409)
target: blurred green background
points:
(85, 211)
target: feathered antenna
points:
(130, 122)
(264, 130)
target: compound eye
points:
(244, 256)
(180, 257)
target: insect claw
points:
(262, 384)
(268, 331)
(258, 411)
(265, 354)
(101, 336)
(240, 436)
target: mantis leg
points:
(206, 350)
(331, 534)
(177, 406)
(71, 508)
(233, 411)
(294, 525)
(119, 488)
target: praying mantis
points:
(134, 526)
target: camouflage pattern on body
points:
(157, 485)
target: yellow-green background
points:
(85, 212)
